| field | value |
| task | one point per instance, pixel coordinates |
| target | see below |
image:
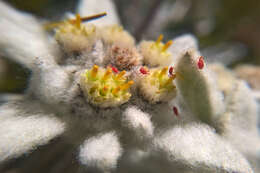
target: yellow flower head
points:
(157, 85)
(156, 53)
(73, 36)
(104, 87)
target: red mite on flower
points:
(175, 110)
(114, 69)
(143, 70)
(171, 71)
(201, 62)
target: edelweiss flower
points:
(148, 108)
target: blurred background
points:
(228, 32)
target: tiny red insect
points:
(143, 70)
(175, 110)
(201, 62)
(171, 71)
(114, 69)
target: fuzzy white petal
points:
(22, 37)
(182, 44)
(24, 126)
(91, 7)
(139, 122)
(199, 148)
(199, 89)
(101, 152)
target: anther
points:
(167, 45)
(107, 73)
(127, 85)
(94, 71)
(159, 39)
(163, 71)
(122, 73)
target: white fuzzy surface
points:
(200, 148)
(91, 7)
(22, 130)
(139, 122)
(101, 152)
(22, 38)
(182, 44)
(199, 89)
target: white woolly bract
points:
(101, 152)
(22, 37)
(182, 44)
(199, 89)
(20, 134)
(139, 122)
(199, 147)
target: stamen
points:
(116, 90)
(93, 17)
(107, 74)
(159, 39)
(122, 73)
(170, 80)
(74, 21)
(104, 90)
(163, 72)
(94, 71)
(127, 85)
(78, 21)
(167, 45)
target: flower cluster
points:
(93, 83)
(102, 87)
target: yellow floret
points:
(73, 36)
(103, 88)
(157, 85)
(115, 34)
(156, 53)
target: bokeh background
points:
(228, 32)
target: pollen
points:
(156, 53)
(158, 85)
(103, 88)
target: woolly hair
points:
(124, 58)
(114, 34)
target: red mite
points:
(143, 70)
(114, 69)
(175, 110)
(201, 63)
(171, 71)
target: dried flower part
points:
(115, 34)
(104, 88)
(156, 53)
(157, 85)
(75, 37)
(124, 58)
